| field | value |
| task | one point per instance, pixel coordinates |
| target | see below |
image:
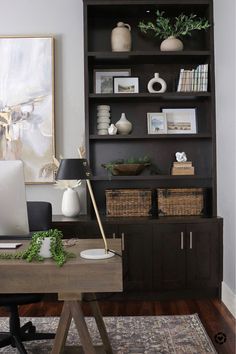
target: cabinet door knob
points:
(181, 240)
(122, 241)
(190, 240)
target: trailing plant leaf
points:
(178, 27)
(59, 255)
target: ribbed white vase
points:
(70, 203)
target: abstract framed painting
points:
(27, 105)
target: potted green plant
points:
(44, 244)
(172, 29)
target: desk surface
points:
(76, 275)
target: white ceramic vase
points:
(153, 81)
(70, 203)
(121, 38)
(123, 126)
(45, 248)
(171, 44)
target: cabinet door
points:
(202, 248)
(169, 257)
(137, 256)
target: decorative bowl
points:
(126, 169)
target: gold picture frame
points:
(27, 105)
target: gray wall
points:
(225, 59)
(63, 19)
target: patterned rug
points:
(131, 335)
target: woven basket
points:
(180, 201)
(128, 202)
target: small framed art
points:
(103, 79)
(126, 84)
(181, 120)
(156, 123)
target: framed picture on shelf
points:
(156, 123)
(181, 120)
(103, 79)
(126, 84)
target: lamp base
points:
(97, 253)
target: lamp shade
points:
(71, 169)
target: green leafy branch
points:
(179, 26)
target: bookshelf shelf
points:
(150, 137)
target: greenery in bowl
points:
(178, 27)
(124, 167)
(59, 255)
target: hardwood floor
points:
(213, 314)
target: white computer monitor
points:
(13, 207)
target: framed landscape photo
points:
(27, 105)
(156, 123)
(181, 120)
(103, 79)
(126, 84)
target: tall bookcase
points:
(144, 59)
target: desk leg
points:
(100, 323)
(82, 328)
(62, 330)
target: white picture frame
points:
(126, 85)
(103, 79)
(156, 123)
(181, 120)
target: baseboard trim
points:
(229, 298)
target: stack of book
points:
(182, 168)
(193, 80)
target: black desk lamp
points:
(75, 169)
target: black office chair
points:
(40, 218)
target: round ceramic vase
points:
(156, 79)
(171, 44)
(123, 126)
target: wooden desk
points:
(74, 278)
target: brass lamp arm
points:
(97, 214)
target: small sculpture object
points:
(112, 130)
(153, 81)
(181, 156)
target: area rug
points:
(130, 335)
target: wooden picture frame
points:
(27, 112)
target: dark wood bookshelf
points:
(152, 258)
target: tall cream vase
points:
(70, 203)
(121, 38)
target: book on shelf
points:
(182, 164)
(195, 80)
(175, 171)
